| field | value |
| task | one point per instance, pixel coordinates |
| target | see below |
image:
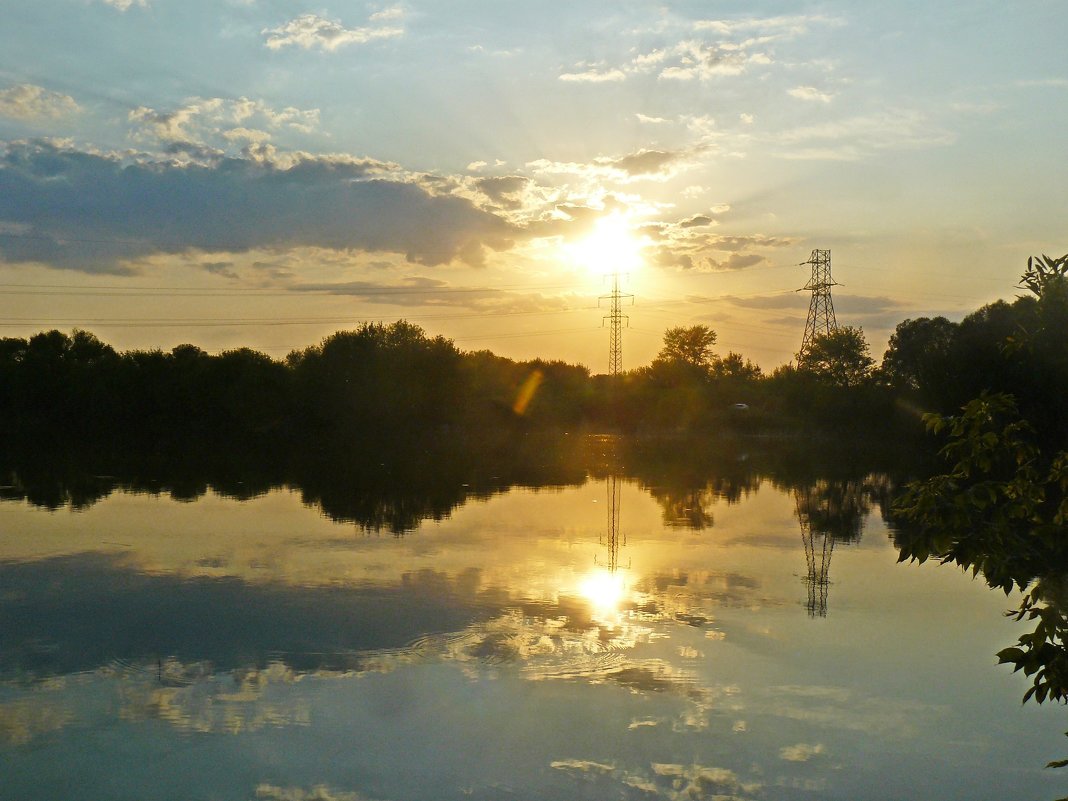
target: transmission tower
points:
(616, 320)
(820, 308)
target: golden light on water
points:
(605, 590)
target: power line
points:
(216, 322)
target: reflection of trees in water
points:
(394, 486)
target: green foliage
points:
(840, 358)
(1000, 512)
(917, 356)
(1044, 273)
(688, 345)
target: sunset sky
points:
(263, 173)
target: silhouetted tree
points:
(918, 359)
(840, 358)
(689, 345)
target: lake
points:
(608, 630)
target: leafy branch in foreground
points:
(1001, 512)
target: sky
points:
(262, 173)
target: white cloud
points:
(1058, 83)
(26, 102)
(594, 75)
(651, 120)
(645, 164)
(204, 119)
(810, 94)
(771, 26)
(126, 5)
(309, 31)
(851, 137)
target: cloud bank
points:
(100, 213)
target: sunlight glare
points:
(610, 248)
(604, 590)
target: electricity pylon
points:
(616, 320)
(820, 308)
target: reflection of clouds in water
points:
(230, 703)
(802, 752)
(674, 782)
(845, 710)
(319, 792)
(23, 720)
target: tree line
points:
(390, 378)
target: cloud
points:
(810, 94)
(697, 221)
(101, 213)
(736, 261)
(1056, 83)
(700, 61)
(780, 300)
(28, 102)
(594, 75)
(310, 31)
(126, 5)
(642, 164)
(426, 292)
(651, 120)
(781, 26)
(201, 120)
(851, 137)
(505, 190)
(713, 49)
(685, 245)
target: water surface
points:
(620, 634)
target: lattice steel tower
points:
(616, 319)
(820, 308)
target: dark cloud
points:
(780, 300)
(745, 242)
(223, 268)
(502, 186)
(864, 304)
(696, 221)
(736, 261)
(98, 213)
(643, 162)
(417, 291)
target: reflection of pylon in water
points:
(818, 549)
(613, 538)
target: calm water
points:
(613, 637)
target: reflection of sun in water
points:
(610, 248)
(605, 591)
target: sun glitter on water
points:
(605, 590)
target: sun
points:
(611, 247)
